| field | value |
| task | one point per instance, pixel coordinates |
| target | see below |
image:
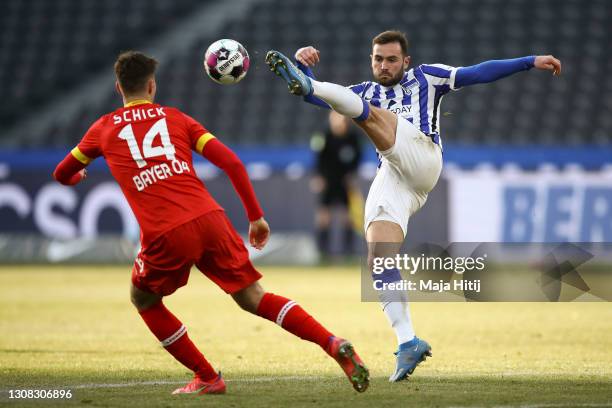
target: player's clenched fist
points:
(549, 63)
(307, 55)
(259, 232)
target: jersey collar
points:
(136, 102)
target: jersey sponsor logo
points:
(400, 110)
(133, 115)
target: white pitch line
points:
(163, 382)
(123, 385)
(502, 375)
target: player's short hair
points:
(133, 69)
(392, 36)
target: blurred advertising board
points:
(514, 206)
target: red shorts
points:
(209, 242)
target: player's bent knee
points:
(143, 300)
(248, 298)
(380, 126)
(384, 231)
(384, 240)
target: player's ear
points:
(151, 86)
(406, 62)
(118, 88)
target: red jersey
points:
(148, 150)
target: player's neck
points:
(136, 99)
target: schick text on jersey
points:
(134, 115)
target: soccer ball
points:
(226, 62)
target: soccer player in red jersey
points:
(148, 150)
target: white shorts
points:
(409, 171)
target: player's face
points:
(388, 63)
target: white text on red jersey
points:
(135, 115)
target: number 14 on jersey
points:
(148, 150)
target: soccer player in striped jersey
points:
(400, 113)
(148, 149)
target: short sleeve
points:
(198, 134)
(440, 74)
(89, 146)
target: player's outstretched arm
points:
(224, 158)
(70, 171)
(493, 70)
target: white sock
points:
(398, 314)
(339, 98)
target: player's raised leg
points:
(173, 337)
(379, 124)
(292, 317)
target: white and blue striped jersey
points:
(416, 97)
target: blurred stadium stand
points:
(51, 48)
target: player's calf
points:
(291, 317)
(173, 337)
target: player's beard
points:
(389, 81)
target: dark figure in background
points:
(338, 156)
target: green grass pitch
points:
(74, 328)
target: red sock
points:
(173, 336)
(291, 317)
